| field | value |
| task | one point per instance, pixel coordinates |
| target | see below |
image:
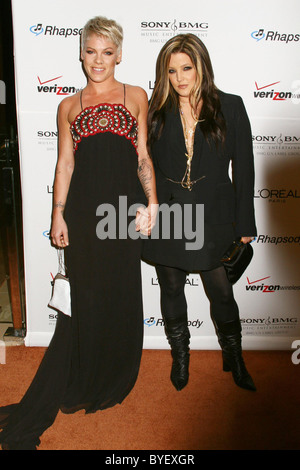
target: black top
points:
(228, 205)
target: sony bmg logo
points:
(269, 321)
(274, 139)
(174, 25)
(47, 134)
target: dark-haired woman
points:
(194, 132)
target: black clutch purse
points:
(236, 259)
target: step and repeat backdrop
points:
(254, 47)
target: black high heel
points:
(178, 336)
(230, 339)
(180, 369)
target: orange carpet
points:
(211, 413)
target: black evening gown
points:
(93, 359)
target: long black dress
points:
(93, 359)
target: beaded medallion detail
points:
(114, 118)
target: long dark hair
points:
(164, 96)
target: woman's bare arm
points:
(63, 174)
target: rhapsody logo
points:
(278, 240)
(44, 87)
(258, 35)
(38, 29)
(151, 321)
(274, 36)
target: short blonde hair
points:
(102, 26)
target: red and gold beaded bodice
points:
(114, 118)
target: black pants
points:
(218, 289)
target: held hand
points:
(146, 219)
(153, 210)
(59, 233)
(247, 239)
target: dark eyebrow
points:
(184, 65)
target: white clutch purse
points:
(61, 292)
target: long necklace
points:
(189, 137)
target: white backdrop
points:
(254, 47)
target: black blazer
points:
(225, 201)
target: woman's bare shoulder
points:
(70, 106)
(136, 92)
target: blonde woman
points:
(93, 360)
(195, 132)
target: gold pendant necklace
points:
(186, 180)
(189, 137)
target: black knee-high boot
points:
(230, 339)
(178, 335)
